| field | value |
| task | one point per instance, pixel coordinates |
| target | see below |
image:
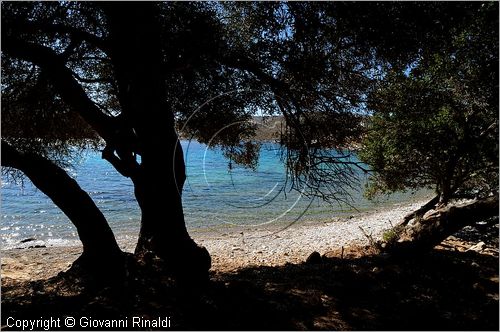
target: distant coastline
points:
(269, 129)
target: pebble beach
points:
(234, 248)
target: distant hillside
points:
(268, 128)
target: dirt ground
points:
(449, 288)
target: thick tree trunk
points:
(163, 229)
(99, 244)
(424, 233)
(135, 42)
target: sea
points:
(217, 195)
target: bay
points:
(215, 195)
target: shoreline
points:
(233, 248)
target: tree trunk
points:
(421, 211)
(99, 245)
(163, 229)
(424, 233)
(135, 41)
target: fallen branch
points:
(426, 232)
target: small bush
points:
(390, 236)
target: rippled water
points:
(213, 196)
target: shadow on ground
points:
(442, 290)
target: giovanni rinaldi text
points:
(87, 322)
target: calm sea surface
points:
(213, 196)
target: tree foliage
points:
(435, 124)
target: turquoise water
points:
(213, 196)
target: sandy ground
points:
(233, 248)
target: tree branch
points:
(75, 33)
(244, 63)
(94, 232)
(128, 168)
(91, 80)
(64, 82)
